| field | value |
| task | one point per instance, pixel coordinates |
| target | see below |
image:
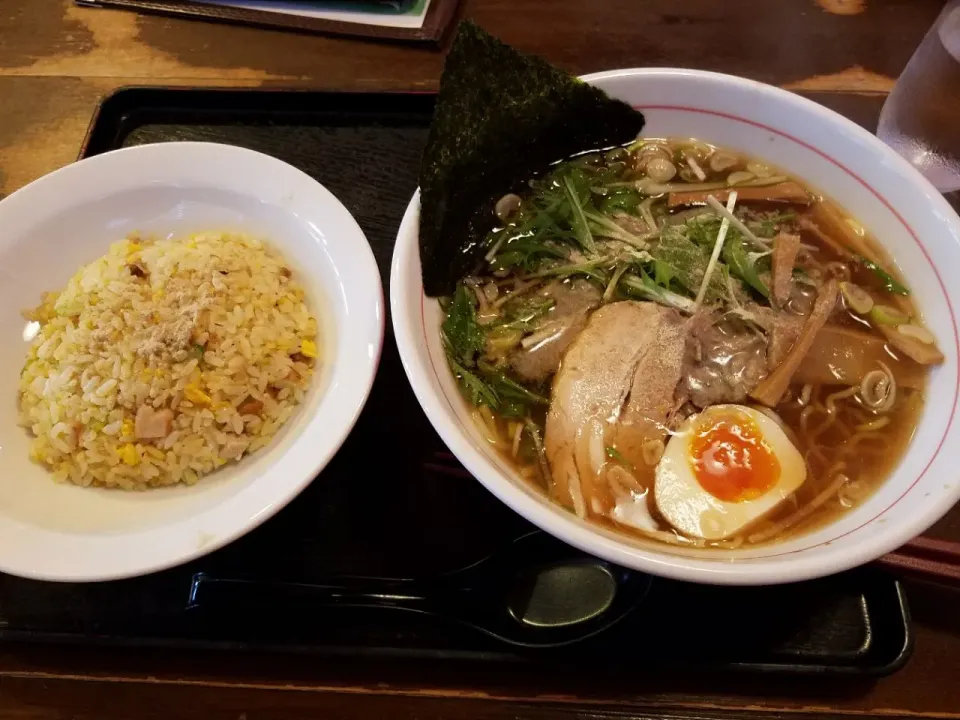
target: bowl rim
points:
(761, 570)
(246, 511)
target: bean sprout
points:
(485, 313)
(697, 170)
(545, 334)
(519, 288)
(647, 215)
(517, 435)
(489, 434)
(805, 418)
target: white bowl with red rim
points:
(851, 166)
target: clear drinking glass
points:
(921, 117)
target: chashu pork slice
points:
(615, 388)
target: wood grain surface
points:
(56, 63)
(58, 60)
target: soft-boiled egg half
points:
(725, 469)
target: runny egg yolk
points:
(731, 460)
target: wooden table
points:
(58, 61)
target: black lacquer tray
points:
(395, 551)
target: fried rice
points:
(164, 360)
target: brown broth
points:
(830, 442)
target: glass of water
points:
(921, 117)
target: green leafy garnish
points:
(590, 268)
(890, 283)
(617, 456)
(476, 391)
(605, 227)
(703, 230)
(643, 286)
(678, 258)
(742, 264)
(461, 331)
(482, 382)
(663, 274)
(526, 252)
(493, 388)
(621, 199)
(578, 220)
(767, 227)
(514, 400)
(522, 314)
(512, 389)
(682, 261)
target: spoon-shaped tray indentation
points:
(562, 595)
(535, 592)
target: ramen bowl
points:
(847, 164)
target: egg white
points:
(693, 511)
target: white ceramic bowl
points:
(851, 166)
(51, 227)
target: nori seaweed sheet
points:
(501, 118)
